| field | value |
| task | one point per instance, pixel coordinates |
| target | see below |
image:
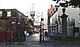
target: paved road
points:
(33, 41)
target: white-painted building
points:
(73, 13)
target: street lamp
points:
(32, 14)
(41, 30)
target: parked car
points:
(55, 35)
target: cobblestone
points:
(31, 42)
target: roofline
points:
(11, 10)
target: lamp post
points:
(40, 40)
(42, 28)
(32, 14)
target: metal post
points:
(32, 13)
(56, 25)
(33, 23)
(41, 30)
(40, 34)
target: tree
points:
(75, 3)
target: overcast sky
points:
(26, 5)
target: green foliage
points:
(75, 3)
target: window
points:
(13, 22)
(9, 14)
(0, 13)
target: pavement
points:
(33, 41)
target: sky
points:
(26, 5)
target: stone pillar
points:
(64, 25)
